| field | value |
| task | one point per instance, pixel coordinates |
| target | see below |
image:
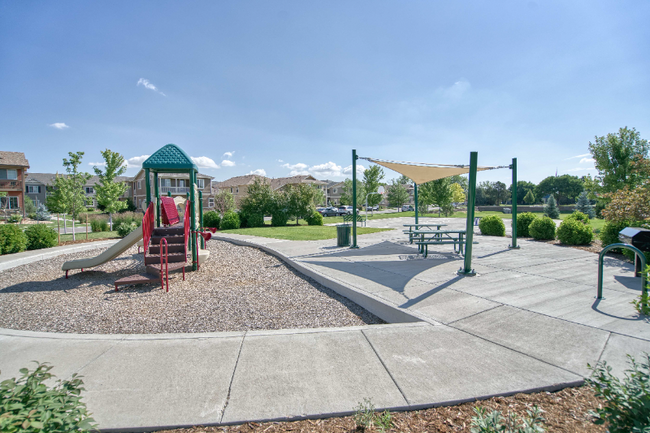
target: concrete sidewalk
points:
(528, 321)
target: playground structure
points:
(421, 173)
(167, 244)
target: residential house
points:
(176, 184)
(12, 180)
(306, 179)
(334, 192)
(238, 185)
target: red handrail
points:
(186, 225)
(162, 281)
(147, 228)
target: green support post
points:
(201, 217)
(513, 167)
(169, 193)
(469, 226)
(147, 186)
(157, 195)
(195, 258)
(415, 197)
(354, 198)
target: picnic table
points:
(415, 227)
(424, 238)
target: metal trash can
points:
(343, 233)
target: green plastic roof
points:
(170, 159)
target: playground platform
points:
(528, 321)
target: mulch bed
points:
(565, 411)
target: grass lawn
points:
(98, 235)
(298, 233)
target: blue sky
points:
(285, 87)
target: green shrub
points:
(627, 401)
(315, 219)
(14, 219)
(40, 236)
(494, 422)
(523, 221)
(573, 231)
(230, 221)
(542, 228)
(584, 205)
(123, 229)
(492, 225)
(12, 239)
(211, 219)
(30, 207)
(42, 214)
(255, 220)
(578, 216)
(366, 418)
(29, 405)
(279, 219)
(609, 233)
(551, 210)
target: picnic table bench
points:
(415, 227)
(424, 238)
(350, 217)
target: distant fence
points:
(521, 209)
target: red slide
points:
(168, 211)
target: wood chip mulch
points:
(565, 411)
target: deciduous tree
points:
(108, 191)
(397, 194)
(372, 178)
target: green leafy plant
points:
(42, 214)
(575, 232)
(609, 232)
(642, 303)
(255, 219)
(40, 236)
(99, 224)
(551, 210)
(211, 219)
(28, 405)
(30, 207)
(523, 221)
(627, 401)
(279, 218)
(230, 221)
(492, 225)
(542, 228)
(365, 417)
(14, 219)
(579, 216)
(494, 422)
(12, 239)
(123, 229)
(315, 219)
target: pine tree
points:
(529, 198)
(583, 205)
(551, 210)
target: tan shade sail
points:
(420, 173)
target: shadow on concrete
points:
(433, 291)
(384, 248)
(632, 283)
(596, 303)
(492, 254)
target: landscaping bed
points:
(565, 411)
(237, 289)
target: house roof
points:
(241, 180)
(48, 178)
(13, 158)
(140, 175)
(170, 158)
(305, 178)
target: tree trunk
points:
(110, 220)
(73, 235)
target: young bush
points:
(30, 208)
(123, 229)
(279, 219)
(542, 228)
(42, 214)
(98, 224)
(609, 233)
(578, 216)
(255, 220)
(14, 219)
(494, 422)
(366, 418)
(211, 219)
(315, 219)
(40, 236)
(575, 232)
(523, 221)
(627, 401)
(29, 405)
(230, 221)
(492, 225)
(12, 239)
(551, 210)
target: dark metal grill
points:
(635, 236)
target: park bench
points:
(348, 218)
(439, 237)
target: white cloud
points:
(259, 171)
(227, 163)
(578, 156)
(581, 169)
(456, 90)
(325, 170)
(279, 160)
(228, 155)
(98, 164)
(204, 162)
(59, 125)
(147, 85)
(136, 161)
(587, 160)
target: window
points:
(237, 191)
(166, 182)
(334, 190)
(8, 174)
(200, 183)
(12, 202)
(231, 191)
(33, 189)
(180, 183)
(139, 184)
(89, 190)
(210, 202)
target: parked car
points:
(407, 208)
(330, 211)
(343, 210)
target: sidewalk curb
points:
(27, 257)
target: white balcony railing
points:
(174, 189)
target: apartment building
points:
(13, 166)
(176, 184)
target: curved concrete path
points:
(528, 321)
